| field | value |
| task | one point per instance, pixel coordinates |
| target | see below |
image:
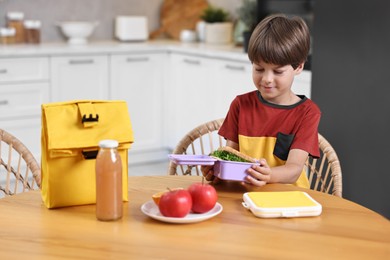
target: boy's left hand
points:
(259, 175)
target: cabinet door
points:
(20, 112)
(22, 100)
(139, 80)
(231, 79)
(191, 98)
(79, 77)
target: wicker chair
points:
(324, 173)
(19, 171)
(201, 140)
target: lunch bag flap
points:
(82, 124)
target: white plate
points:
(151, 209)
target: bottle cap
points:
(15, 15)
(108, 144)
(6, 32)
(32, 24)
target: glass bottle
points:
(108, 182)
(15, 20)
(32, 30)
(7, 35)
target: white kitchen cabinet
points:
(22, 100)
(139, 79)
(202, 89)
(191, 94)
(302, 84)
(28, 131)
(79, 77)
(23, 69)
(232, 78)
(24, 86)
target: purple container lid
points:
(187, 159)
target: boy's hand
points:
(259, 175)
(208, 173)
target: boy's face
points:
(274, 82)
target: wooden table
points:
(344, 230)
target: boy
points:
(271, 123)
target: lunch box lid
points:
(281, 204)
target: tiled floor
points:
(156, 168)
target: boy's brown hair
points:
(280, 40)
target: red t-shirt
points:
(266, 130)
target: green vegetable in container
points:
(227, 156)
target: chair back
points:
(203, 139)
(19, 171)
(324, 173)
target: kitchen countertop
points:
(115, 47)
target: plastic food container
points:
(225, 170)
(228, 170)
(281, 204)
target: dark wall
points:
(351, 84)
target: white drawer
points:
(22, 100)
(28, 131)
(24, 69)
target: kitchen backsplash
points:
(49, 12)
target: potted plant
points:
(218, 27)
(247, 14)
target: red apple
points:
(175, 203)
(204, 196)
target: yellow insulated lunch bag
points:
(70, 135)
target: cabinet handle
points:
(77, 62)
(3, 102)
(232, 67)
(3, 71)
(137, 59)
(194, 62)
